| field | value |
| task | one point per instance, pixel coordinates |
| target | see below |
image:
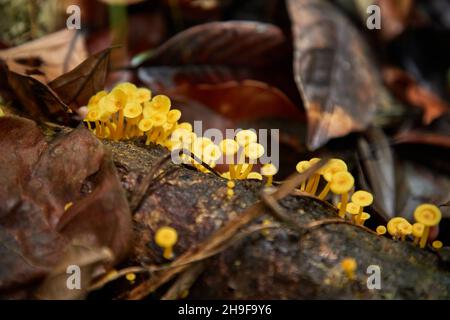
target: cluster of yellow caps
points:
(128, 112)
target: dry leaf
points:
(338, 82)
(48, 57)
(228, 43)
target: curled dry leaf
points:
(228, 43)
(77, 86)
(406, 89)
(53, 192)
(71, 90)
(338, 82)
(48, 57)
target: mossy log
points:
(278, 263)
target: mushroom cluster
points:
(426, 215)
(334, 177)
(128, 112)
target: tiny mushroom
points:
(404, 228)
(349, 266)
(300, 167)
(417, 232)
(362, 199)
(166, 237)
(392, 227)
(381, 230)
(333, 166)
(437, 244)
(269, 170)
(364, 217)
(429, 215)
(342, 183)
(353, 209)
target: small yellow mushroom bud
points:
(381, 230)
(269, 170)
(349, 267)
(166, 237)
(429, 215)
(230, 193)
(437, 244)
(130, 277)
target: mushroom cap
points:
(145, 124)
(353, 208)
(365, 216)
(404, 228)
(142, 95)
(127, 87)
(341, 182)
(245, 137)
(428, 214)
(254, 176)
(132, 110)
(185, 125)
(268, 170)
(417, 229)
(333, 166)
(254, 150)
(362, 198)
(95, 99)
(161, 102)
(393, 223)
(159, 119)
(228, 147)
(348, 264)
(302, 166)
(173, 115)
(166, 237)
(381, 230)
(437, 244)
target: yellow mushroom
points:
(245, 137)
(362, 199)
(166, 238)
(313, 182)
(417, 232)
(392, 226)
(301, 167)
(381, 230)
(269, 170)
(229, 148)
(341, 183)
(130, 277)
(254, 176)
(253, 151)
(429, 215)
(364, 217)
(333, 166)
(404, 228)
(437, 244)
(349, 266)
(353, 209)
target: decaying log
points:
(278, 263)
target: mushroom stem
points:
(247, 170)
(168, 253)
(424, 238)
(325, 191)
(358, 217)
(344, 201)
(240, 163)
(315, 185)
(269, 180)
(310, 183)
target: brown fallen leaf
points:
(339, 84)
(48, 57)
(406, 89)
(244, 100)
(54, 190)
(77, 86)
(228, 43)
